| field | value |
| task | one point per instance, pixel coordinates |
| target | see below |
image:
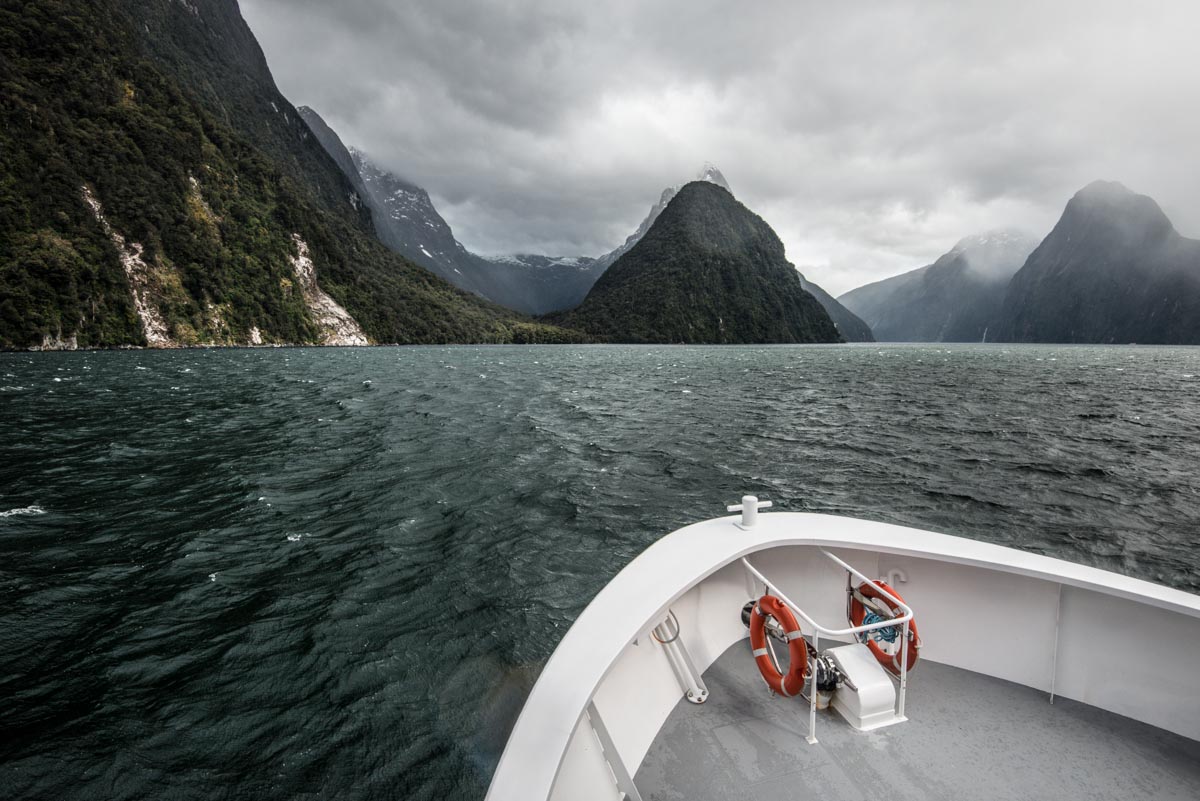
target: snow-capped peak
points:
(998, 252)
(711, 174)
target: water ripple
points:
(306, 573)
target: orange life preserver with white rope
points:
(793, 682)
(858, 613)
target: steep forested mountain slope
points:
(135, 208)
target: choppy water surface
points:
(335, 573)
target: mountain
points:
(407, 222)
(1113, 270)
(404, 217)
(955, 299)
(851, 327)
(159, 190)
(708, 270)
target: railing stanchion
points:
(812, 692)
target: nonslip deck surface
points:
(968, 738)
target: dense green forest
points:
(99, 97)
(709, 271)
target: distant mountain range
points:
(408, 222)
(707, 270)
(1113, 270)
(157, 189)
(187, 202)
(955, 299)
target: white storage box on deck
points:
(873, 703)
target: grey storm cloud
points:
(871, 135)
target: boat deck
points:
(968, 736)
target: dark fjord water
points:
(335, 573)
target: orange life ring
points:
(858, 611)
(793, 682)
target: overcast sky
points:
(870, 134)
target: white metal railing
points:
(818, 629)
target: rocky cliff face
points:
(955, 299)
(707, 271)
(408, 223)
(1113, 270)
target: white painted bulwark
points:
(1114, 642)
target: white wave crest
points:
(28, 510)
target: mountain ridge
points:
(529, 283)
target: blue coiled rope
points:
(888, 634)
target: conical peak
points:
(704, 212)
(1108, 190)
(1109, 203)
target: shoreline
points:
(294, 346)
